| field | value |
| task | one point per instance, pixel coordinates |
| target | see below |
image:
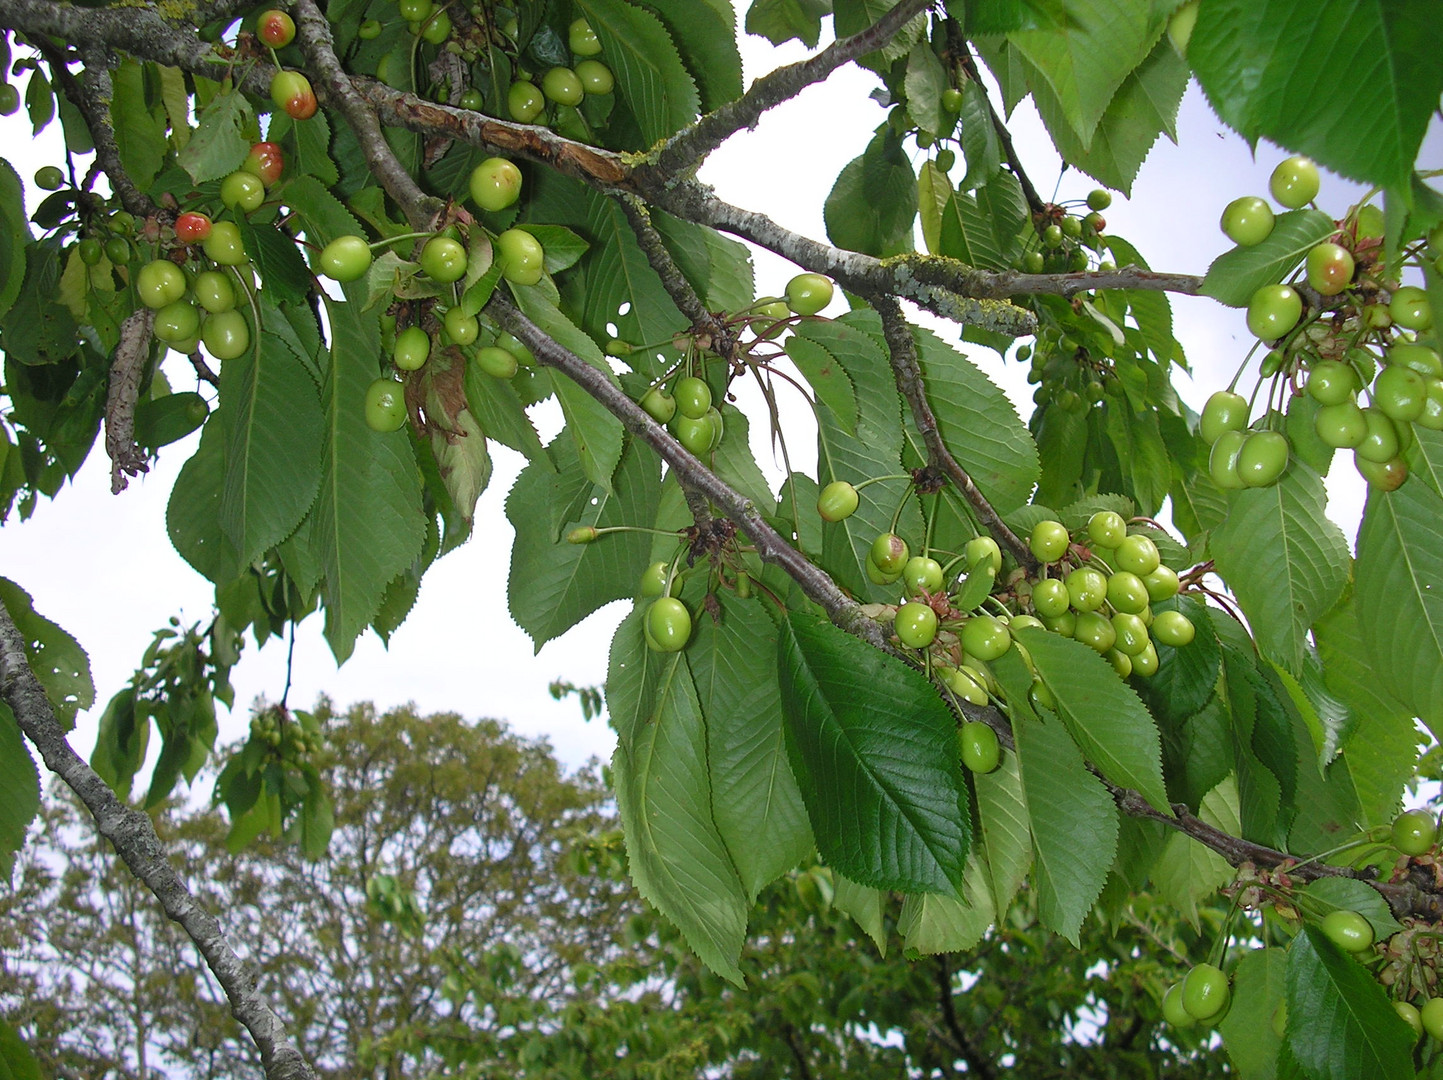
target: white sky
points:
(102, 567)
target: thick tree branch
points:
(902, 348)
(140, 30)
(94, 103)
(771, 547)
(313, 32)
(127, 366)
(135, 840)
(685, 150)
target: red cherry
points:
(265, 160)
(192, 227)
(292, 91)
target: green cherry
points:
(837, 501)
(916, 625)
(1294, 182)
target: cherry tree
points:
(959, 657)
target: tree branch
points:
(313, 32)
(902, 348)
(672, 279)
(135, 840)
(685, 150)
(137, 29)
(771, 547)
(976, 1062)
(94, 102)
(127, 366)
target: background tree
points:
(472, 915)
(800, 661)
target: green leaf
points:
(718, 268)
(677, 858)
(595, 431)
(19, 792)
(1399, 604)
(783, 20)
(273, 423)
(286, 277)
(865, 905)
(16, 1060)
(316, 821)
(827, 378)
(755, 800)
(368, 523)
(924, 84)
(1106, 717)
(733, 461)
(54, 656)
(121, 742)
(650, 76)
(139, 128)
(934, 192)
(1382, 749)
(978, 423)
(498, 409)
(1275, 69)
(219, 144)
(854, 16)
(981, 145)
(704, 32)
(874, 200)
(1235, 275)
(562, 247)
(1341, 1025)
(933, 923)
(1074, 824)
(969, 235)
(1259, 986)
(1187, 871)
(1186, 676)
(870, 448)
(14, 235)
(554, 585)
(1005, 831)
(307, 145)
(614, 275)
(1285, 561)
(192, 515)
(873, 750)
(1144, 107)
(1084, 59)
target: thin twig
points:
(902, 348)
(136, 842)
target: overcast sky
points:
(102, 566)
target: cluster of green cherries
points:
(561, 86)
(1097, 588)
(1342, 326)
(196, 291)
(495, 184)
(287, 738)
(1069, 240)
(684, 401)
(1203, 996)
